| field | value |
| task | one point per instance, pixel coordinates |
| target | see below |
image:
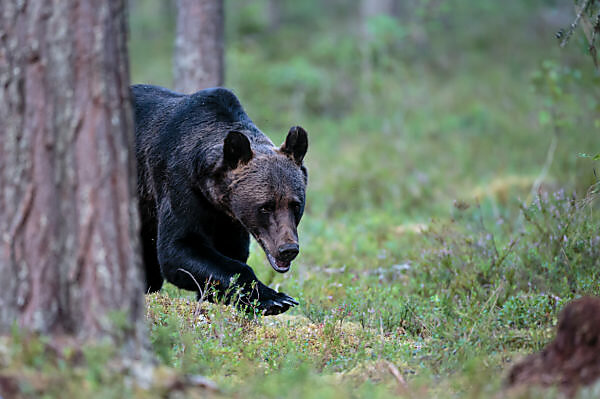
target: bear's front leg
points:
(187, 261)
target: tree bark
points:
(370, 9)
(274, 14)
(198, 58)
(373, 8)
(69, 251)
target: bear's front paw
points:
(271, 302)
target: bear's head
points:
(265, 191)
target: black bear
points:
(208, 178)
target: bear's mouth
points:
(279, 266)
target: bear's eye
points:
(295, 207)
(269, 207)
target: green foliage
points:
(530, 311)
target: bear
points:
(208, 179)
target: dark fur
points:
(207, 177)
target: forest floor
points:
(449, 321)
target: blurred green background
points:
(406, 111)
(432, 128)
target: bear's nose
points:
(287, 252)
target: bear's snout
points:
(287, 252)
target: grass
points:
(427, 265)
(451, 314)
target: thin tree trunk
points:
(274, 14)
(373, 8)
(198, 58)
(68, 217)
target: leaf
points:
(592, 157)
(544, 118)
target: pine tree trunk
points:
(373, 8)
(68, 217)
(274, 14)
(198, 59)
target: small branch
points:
(397, 375)
(203, 382)
(202, 293)
(193, 278)
(531, 220)
(507, 252)
(580, 12)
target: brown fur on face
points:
(264, 189)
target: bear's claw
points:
(271, 307)
(270, 302)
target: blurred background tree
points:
(198, 57)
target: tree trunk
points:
(370, 9)
(373, 8)
(68, 216)
(274, 14)
(198, 60)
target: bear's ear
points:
(236, 149)
(296, 144)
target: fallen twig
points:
(202, 293)
(397, 375)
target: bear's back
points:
(216, 105)
(209, 105)
(208, 114)
(177, 131)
